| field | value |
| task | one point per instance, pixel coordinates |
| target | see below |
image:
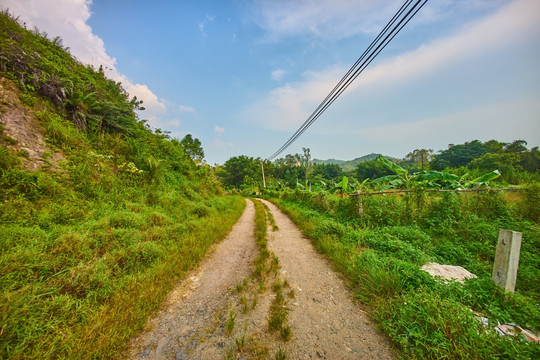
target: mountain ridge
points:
(350, 164)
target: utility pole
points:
(262, 170)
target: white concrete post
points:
(507, 259)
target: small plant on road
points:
(229, 325)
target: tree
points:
(306, 162)
(240, 170)
(458, 155)
(328, 171)
(420, 156)
(192, 147)
(371, 170)
(516, 147)
(530, 161)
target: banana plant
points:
(341, 186)
(484, 179)
(429, 179)
(402, 179)
(356, 185)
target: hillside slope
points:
(99, 215)
(349, 165)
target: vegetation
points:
(265, 269)
(380, 243)
(117, 212)
(91, 244)
(464, 163)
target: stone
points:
(448, 272)
(181, 355)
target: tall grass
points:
(90, 249)
(381, 250)
(80, 276)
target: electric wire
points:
(307, 122)
(316, 114)
(389, 32)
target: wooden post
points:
(262, 170)
(507, 259)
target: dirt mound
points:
(22, 130)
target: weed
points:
(229, 324)
(239, 288)
(244, 303)
(285, 332)
(90, 252)
(254, 301)
(229, 354)
(276, 286)
(240, 343)
(280, 355)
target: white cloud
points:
(287, 106)
(68, 19)
(277, 74)
(219, 144)
(482, 123)
(320, 18)
(518, 21)
(330, 19)
(202, 24)
(219, 130)
(185, 108)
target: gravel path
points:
(325, 322)
(193, 312)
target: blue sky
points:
(242, 76)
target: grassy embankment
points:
(381, 253)
(91, 244)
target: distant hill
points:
(350, 164)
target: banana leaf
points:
(391, 166)
(484, 179)
(385, 178)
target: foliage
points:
(429, 179)
(511, 159)
(90, 250)
(458, 155)
(371, 170)
(420, 157)
(193, 147)
(380, 242)
(241, 170)
(327, 171)
(42, 67)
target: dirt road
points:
(211, 315)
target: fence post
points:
(507, 259)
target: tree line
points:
(515, 162)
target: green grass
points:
(229, 324)
(90, 250)
(381, 254)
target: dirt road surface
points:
(195, 320)
(325, 321)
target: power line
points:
(394, 26)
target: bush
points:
(429, 326)
(529, 207)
